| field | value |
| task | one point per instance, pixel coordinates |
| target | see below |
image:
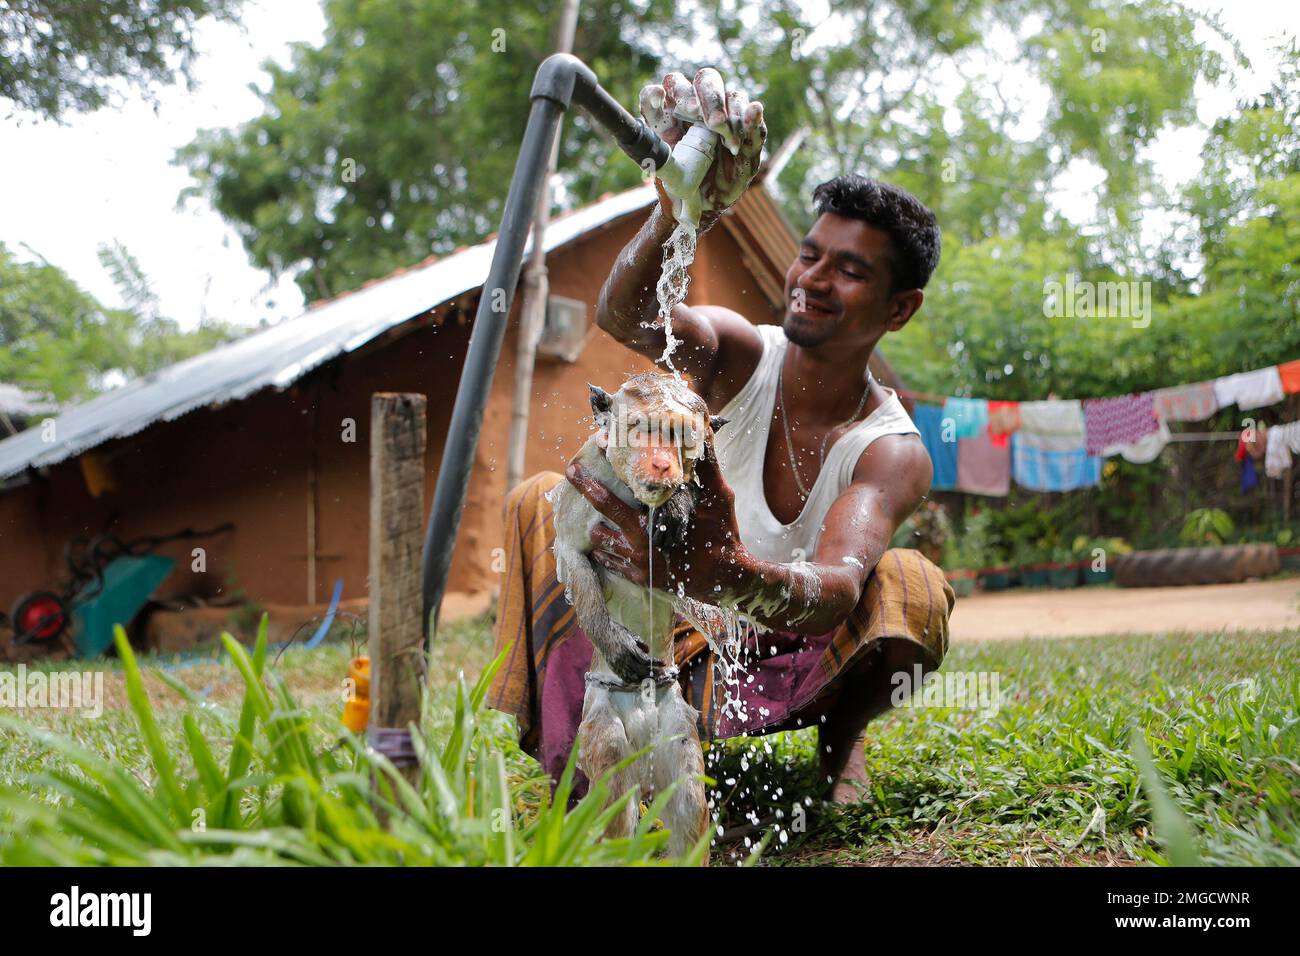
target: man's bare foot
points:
(843, 766)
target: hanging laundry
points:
(1041, 468)
(1004, 418)
(984, 466)
(1249, 476)
(1056, 425)
(1283, 441)
(969, 416)
(1186, 403)
(1148, 449)
(1249, 390)
(929, 422)
(1290, 376)
(1113, 423)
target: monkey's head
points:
(653, 430)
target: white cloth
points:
(1054, 425)
(1145, 449)
(1249, 390)
(1281, 442)
(741, 446)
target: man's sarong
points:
(790, 677)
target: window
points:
(565, 329)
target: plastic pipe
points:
(561, 80)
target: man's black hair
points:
(911, 226)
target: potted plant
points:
(1064, 569)
(959, 566)
(1028, 556)
(1098, 555)
(985, 553)
(1287, 550)
(1206, 526)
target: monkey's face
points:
(653, 430)
(651, 455)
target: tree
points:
(398, 136)
(1246, 209)
(62, 56)
(56, 339)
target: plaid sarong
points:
(795, 675)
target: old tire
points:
(1176, 567)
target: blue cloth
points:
(1249, 476)
(1040, 469)
(929, 422)
(970, 416)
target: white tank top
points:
(741, 446)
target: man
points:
(817, 467)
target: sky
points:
(107, 176)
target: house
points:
(269, 433)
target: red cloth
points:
(1004, 418)
(1290, 375)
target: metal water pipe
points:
(562, 80)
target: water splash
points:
(674, 280)
(650, 626)
(725, 629)
(730, 636)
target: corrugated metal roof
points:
(278, 356)
(768, 243)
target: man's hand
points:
(729, 113)
(711, 556)
(629, 658)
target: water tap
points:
(685, 170)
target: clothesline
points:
(1288, 382)
(980, 445)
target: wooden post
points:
(397, 437)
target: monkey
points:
(649, 436)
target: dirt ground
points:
(1251, 606)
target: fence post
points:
(397, 439)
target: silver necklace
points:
(785, 421)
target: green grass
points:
(1052, 777)
(1055, 776)
(272, 781)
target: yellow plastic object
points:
(356, 709)
(97, 474)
